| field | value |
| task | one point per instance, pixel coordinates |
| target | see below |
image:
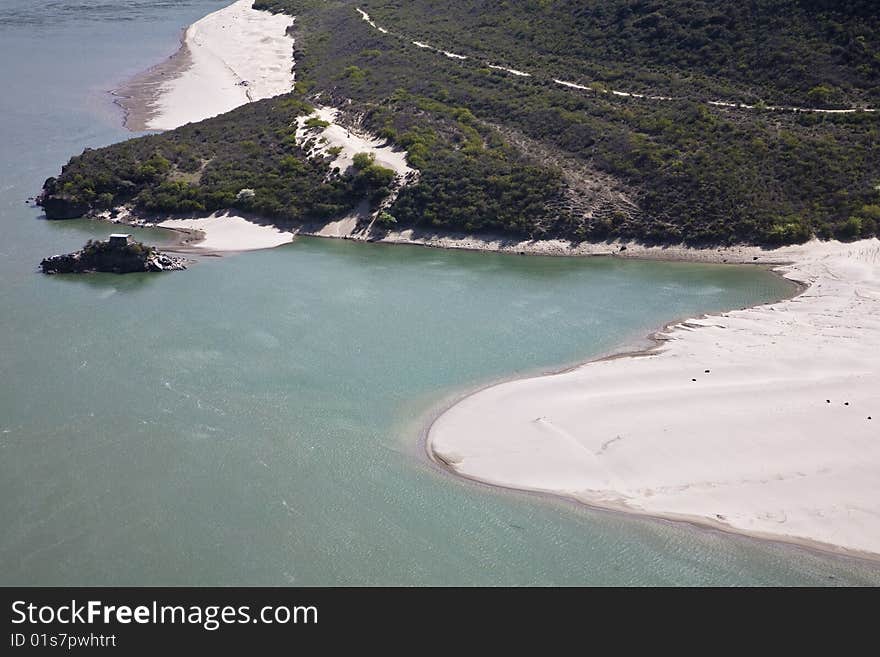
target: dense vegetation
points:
(698, 173)
(248, 160)
(525, 156)
(804, 52)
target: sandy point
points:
(228, 233)
(761, 421)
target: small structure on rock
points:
(118, 255)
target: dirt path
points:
(612, 92)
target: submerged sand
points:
(138, 98)
(764, 421)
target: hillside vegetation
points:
(813, 53)
(206, 166)
(528, 157)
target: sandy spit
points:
(761, 421)
(228, 58)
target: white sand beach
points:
(764, 421)
(236, 55)
(230, 233)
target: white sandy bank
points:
(349, 143)
(755, 420)
(238, 55)
(225, 233)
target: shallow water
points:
(256, 419)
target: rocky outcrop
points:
(60, 203)
(62, 264)
(114, 258)
(165, 262)
(62, 207)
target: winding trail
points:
(613, 92)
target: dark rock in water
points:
(59, 203)
(117, 256)
(61, 264)
(63, 207)
(164, 262)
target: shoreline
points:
(343, 228)
(230, 58)
(776, 260)
(693, 523)
(735, 255)
(520, 477)
(137, 97)
(214, 234)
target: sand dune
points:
(350, 143)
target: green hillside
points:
(529, 157)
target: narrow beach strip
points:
(762, 421)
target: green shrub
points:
(363, 160)
(315, 123)
(386, 220)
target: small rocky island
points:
(118, 255)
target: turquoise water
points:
(257, 418)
